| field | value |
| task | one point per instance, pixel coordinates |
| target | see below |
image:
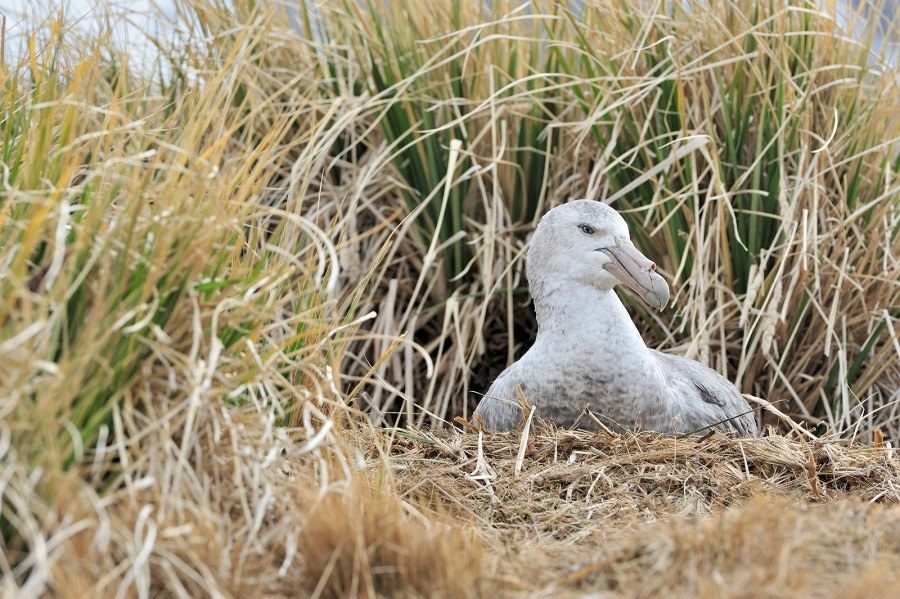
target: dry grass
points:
(649, 516)
(355, 544)
(643, 472)
(631, 516)
(218, 282)
(768, 547)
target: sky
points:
(79, 8)
(86, 10)
(132, 19)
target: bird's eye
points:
(586, 229)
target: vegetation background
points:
(237, 283)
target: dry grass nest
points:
(569, 510)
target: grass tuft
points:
(358, 545)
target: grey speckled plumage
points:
(588, 353)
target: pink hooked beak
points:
(637, 272)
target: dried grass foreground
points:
(462, 514)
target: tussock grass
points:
(146, 307)
(736, 136)
(218, 277)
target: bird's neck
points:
(585, 318)
(585, 334)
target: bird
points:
(589, 354)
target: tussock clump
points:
(363, 544)
(248, 515)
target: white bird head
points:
(584, 242)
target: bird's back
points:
(703, 399)
(694, 399)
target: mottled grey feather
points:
(705, 397)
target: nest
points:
(568, 510)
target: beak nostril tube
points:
(637, 272)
